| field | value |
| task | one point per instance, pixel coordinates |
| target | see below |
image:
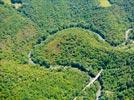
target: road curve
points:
(127, 36)
(30, 60)
(90, 83)
(93, 80)
(42, 41)
(98, 94)
(127, 33)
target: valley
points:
(66, 50)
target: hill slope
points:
(71, 47)
(16, 34)
(86, 51)
(20, 82)
(41, 41)
(112, 22)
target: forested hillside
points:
(66, 49)
(111, 23)
(16, 34)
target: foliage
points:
(112, 21)
(18, 81)
(64, 32)
(17, 34)
(75, 47)
(84, 50)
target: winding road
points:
(29, 58)
(90, 83)
(127, 36)
(98, 94)
(127, 33)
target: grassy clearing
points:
(7, 2)
(104, 3)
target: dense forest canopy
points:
(16, 1)
(67, 49)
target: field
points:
(7, 2)
(104, 3)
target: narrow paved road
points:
(90, 83)
(127, 33)
(98, 94)
(93, 80)
(42, 41)
(127, 36)
(30, 60)
(99, 36)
